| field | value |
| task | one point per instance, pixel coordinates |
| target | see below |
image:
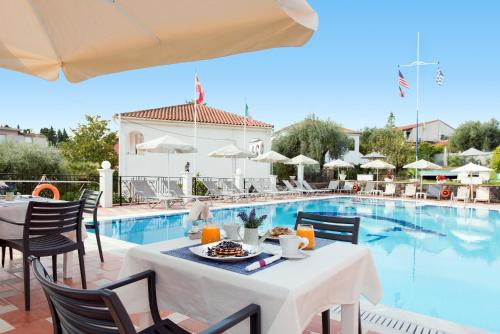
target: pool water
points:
(440, 261)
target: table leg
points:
(349, 318)
(68, 265)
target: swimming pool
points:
(440, 261)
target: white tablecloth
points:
(289, 293)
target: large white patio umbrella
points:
(88, 38)
(422, 164)
(374, 155)
(166, 144)
(472, 152)
(469, 169)
(338, 164)
(230, 151)
(301, 160)
(271, 157)
(377, 164)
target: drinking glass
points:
(210, 233)
(307, 231)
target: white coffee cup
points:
(291, 245)
(232, 231)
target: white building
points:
(353, 156)
(15, 136)
(215, 128)
(432, 132)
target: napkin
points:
(262, 263)
(198, 211)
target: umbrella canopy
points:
(271, 157)
(229, 151)
(473, 152)
(166, 144)
(377, 164)
(422, 164)
(338, 164)
(471, 168)
(88, 38)
(301, 160)
(374, 155)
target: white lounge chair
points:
(308, 187)
(347, 188)
(410, 190)
(143, 189)
(291, 188)
(390, 190)
(233, 189)
(175, 190)
(214, 191)
(333, 185)
(463, 194)
(369, 189)
(482, 195)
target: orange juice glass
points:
(307, 231)
(210, 233)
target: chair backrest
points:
(212, 188)
(483, 193)
(330, 227)
(92, 198)
(173, 188)
(257, 186)
(53, 218)
(410, 189)
(83, 311)
(433, 190)
(333, 185)
(390, 188)
(289, 185)
(463, 192)
(348, 185)
(307, 185)
(369, 186)
(143, 188)
(232, 187)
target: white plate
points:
(270, 237)
(201, 251)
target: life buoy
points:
(355, 187)
(38, 189)
(445, 193)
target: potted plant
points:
(440, 179)
(251, 223)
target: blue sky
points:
(347, 72)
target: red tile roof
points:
(185, 113)
(349, 131)
(413, 126)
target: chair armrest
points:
(252, 311)
(5, 220)
(151, 277)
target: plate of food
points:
(226, 251)
(276, 231)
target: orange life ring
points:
(445, 193)
(355, 188)
(38, 189)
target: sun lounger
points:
(333, 185)
(291, 188)
(390, 190)
(368, 190)
(175, 190)
(482, 195)
(143, 189)
(309, 188)
(347, 188)
(233, 189)
(434, 191)
(214, 191)
(260, 189)
(463, 194)
(410, 190)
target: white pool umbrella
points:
(377, 164)
(230, 151)
(301, 160)
(471, 168)
(271, 157)
(166, 144)
(87, 38)
(338, 164)
(472, 152)
(422, 164)
(374, 155)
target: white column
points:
(273, 179)
(239, 180)
(106, 184)
(300, 173)
(187, 183)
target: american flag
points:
(199, 90)
(401, 93)
(402, 81)
(439, 77)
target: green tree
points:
(482, 136)
(495, 160)
(19, 158)
(92, 142)
(427, 150)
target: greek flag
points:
(439, 77)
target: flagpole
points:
(418, 94)
(245, 141)
(195, 144)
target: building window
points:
(134, 138)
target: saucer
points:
(297, 256)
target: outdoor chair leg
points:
(3, 256)
(325, 321)
(98, 238)
(82, 267)
(54, 268)
(11, 253)
(255, 327)
(26, 278)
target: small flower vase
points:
(251, 236)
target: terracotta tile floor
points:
(13, 318)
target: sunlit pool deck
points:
(13, 318)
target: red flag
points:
(401, 93)
(199, 90)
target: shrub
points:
(30, 159)
(495, 160)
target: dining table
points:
(15, 211)
(289, 292)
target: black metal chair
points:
(43, 236)
(101, 311)
(92, 198)
(344, 229)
